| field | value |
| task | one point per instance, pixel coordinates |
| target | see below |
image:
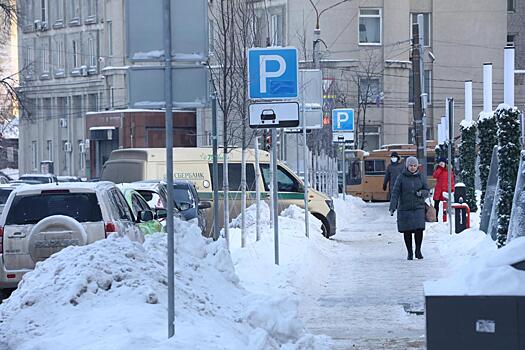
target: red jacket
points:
(441, 176)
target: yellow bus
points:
(365, 171)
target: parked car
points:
(24, 182)
(67, 178)
(138, 204)
(41, 178)
(185, 196)
(40, 220)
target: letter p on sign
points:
(342, 117)
(270, 74)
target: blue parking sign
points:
(343, 119)
(272, 73)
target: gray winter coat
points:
(392, 172)
(410, 207)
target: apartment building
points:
(365, 48)
(73, 83)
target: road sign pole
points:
(305, 165)
(275, 199)
(169, 168)
(344, 173)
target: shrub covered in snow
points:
(467, 161)
(487, 135)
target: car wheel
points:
(54, 233)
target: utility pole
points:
(418, 108)
(424, 94)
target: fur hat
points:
(442, 159)
(411, 161)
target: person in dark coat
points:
(441, 176)
(392, 172)
(408, 198)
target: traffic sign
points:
(342, 119)
(274, 115)
(342, 137)
(272, 73)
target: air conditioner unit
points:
(63, 122)
(81, 147)
(84, 71)
(43, 26)
(67, 146)
(38, 24)
(86, 144)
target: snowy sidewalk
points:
(371, 297)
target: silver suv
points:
(40, 220)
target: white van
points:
(195, 165)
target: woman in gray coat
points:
(408, 198)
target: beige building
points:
(367, 42)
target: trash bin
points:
(461, 209)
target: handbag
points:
(430, 213)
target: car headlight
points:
(330, 204)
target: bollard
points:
(445, 205)
(462, 216)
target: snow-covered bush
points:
(467, 160)
(507, 120)
(487, 134)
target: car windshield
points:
(30, 209)
(40, 179)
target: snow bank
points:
(112, 294)
(479, 268)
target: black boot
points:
(407, 236)
(419, 240)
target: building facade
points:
(73, 61)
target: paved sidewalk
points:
(371, 297)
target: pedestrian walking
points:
(408, 198)
(392, 172)
(441, 176)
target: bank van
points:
(195, 165)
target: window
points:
(30, 209)
(45, 58)
(91, 8)
(375, 167)
(285, 181)
(211, 34)
(74, 11)
(92, 52)
(511, 5)
(62, 107)
(426, 25)
(276, 30)
(46, 108)
(64, 157)
(369, 90)
(370, 26)
(234, 176)
(119, 204)
(76, 108)
(81, 154)
(34, 155)
(29, 61)
(109, 29)
(59, 11)
(49, 149)
(511, 39)
(93, 102)
(61, 62)
(76, 53)
(43, 10)
(427, 88)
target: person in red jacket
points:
(441, 176)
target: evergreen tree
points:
(487, 133)
(507, 120)
(467, 161)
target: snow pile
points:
(349, 211)
(112, 294)
(300, 257)
(485, 115)
(467, 124)
(479, 268)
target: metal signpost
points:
(272, 75)
(450, 127)
(343, 131)
(150, 39)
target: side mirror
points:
(161, 213)
(204, 205)
(145, 215)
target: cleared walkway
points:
(372, 297)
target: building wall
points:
(515, 28)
